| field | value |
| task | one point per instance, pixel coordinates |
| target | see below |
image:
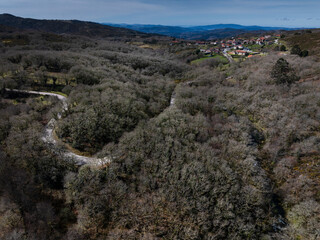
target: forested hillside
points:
(83, 28)
(234, 156)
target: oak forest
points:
(109, 133)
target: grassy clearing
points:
(254, 47)
(219, 57)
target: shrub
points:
(296, 50)
(283, 48)
(282, 73)
(304, 53)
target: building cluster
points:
(234, 46)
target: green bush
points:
(282, 73)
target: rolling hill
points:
(215, 34)
(76, 27)
(91, 29)
(307, 40)
(206, 32)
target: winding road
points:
(48, 136)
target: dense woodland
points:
(236, 156)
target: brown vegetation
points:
(236, 157)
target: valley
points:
(109, 133)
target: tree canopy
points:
(282, 73)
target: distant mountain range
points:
(127, 31)
(206, 32)
(90, 29)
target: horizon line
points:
(159, 24)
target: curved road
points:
(48, 136)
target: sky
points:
(276, 13)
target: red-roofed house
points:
(241, 52)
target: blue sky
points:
(283, 13)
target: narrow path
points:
(173, 95)
(173, 99)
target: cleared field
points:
(218, 57)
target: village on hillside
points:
(235, 48)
